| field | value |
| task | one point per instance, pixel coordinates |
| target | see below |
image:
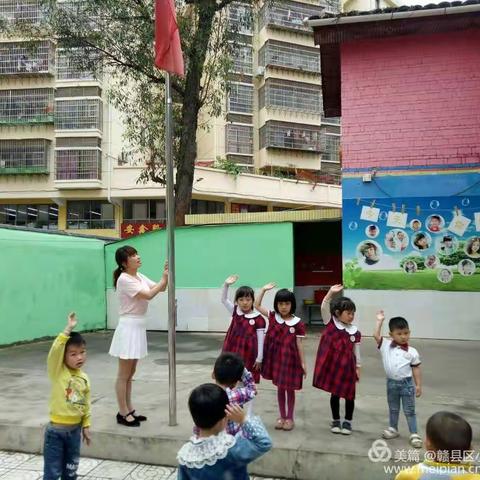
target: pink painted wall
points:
(411, 101)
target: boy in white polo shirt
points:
(402, 366)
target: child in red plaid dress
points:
(337, 368)
(246, 333)
(284, 360)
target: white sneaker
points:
(336, 426)
(416, 441)
(390, 433)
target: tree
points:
(121, 34)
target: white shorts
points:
(129, 341)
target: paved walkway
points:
(24, 466)
(451, 382)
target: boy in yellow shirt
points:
(448, 445)
(69, 405)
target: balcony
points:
(19, 157)
(293, 96)
(22, 11)
(240, 18)
(290, 57)
(291, 136)
(78, 114)
(240, 98)
(288, 15)
(71, 65)
(239, 139)
(78, 168)
(242, 58)
(23, 107)
(26, 59)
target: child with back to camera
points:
(337, 367)
(246, 332)
(402, 366)
(448, 441)
(284, 358)
(69, 404)
(214, 454)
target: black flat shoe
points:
(140, 418)
(122, 420)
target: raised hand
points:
(334, 289)
(165, 268)
(235, 413)
(269, 286)
(380, 316)
(231, 279)
(72, 320)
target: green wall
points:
(206, 255)
(43, 277)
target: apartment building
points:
(61, 161)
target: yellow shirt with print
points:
(70, 395)
(429, 470)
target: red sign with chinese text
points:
(130, 229)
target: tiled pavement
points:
(25, 466)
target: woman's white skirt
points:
(130, 338)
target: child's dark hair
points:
(244, 292)
(420, 236)
(397, 323)
(366, 246)
(448, 431)
(75, 340)
(228, 369)
(285, 295)
(436, 217)
(341, 305)
(207, 405)
(121, 257)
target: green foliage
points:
(230, 167)
(351, 273)
(419, 260)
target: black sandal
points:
(140, 418)
(122, 420)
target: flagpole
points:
(172, 311)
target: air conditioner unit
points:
(260, 72)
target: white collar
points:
(293, 321)
(351, 329)
(247, 315)
(201, 451)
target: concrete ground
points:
(451, 382)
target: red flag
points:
(168, 50)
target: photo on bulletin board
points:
(431, 244)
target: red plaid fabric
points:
(241, 338)
(281, 360)
(335, 366)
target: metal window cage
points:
(291, 96)
(239, 139)
(240, 18)
(22, 11)
(291, 136)
(331, 147)
(242, 59)
(24, 156)
(78, 164)
(294, 57)
(70, 65)
(240, 98)
(288, 15)
(78, 114)
(21, 58)
(26, 106)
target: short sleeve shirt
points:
(127, 289)
(398, 362)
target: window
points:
(26, 58)
(24, 156)
(90, 214)
(242, 59)
(240, 139)
(295, 57)
(24, 11)
(245, 208)
(32, 216)
(78, 114)
(206, 206)
(78, 164)
(71, 64)
(331, 148)
(144, 210)
(240, 98)
(290, 136)
(240, 18)
(26, 106)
